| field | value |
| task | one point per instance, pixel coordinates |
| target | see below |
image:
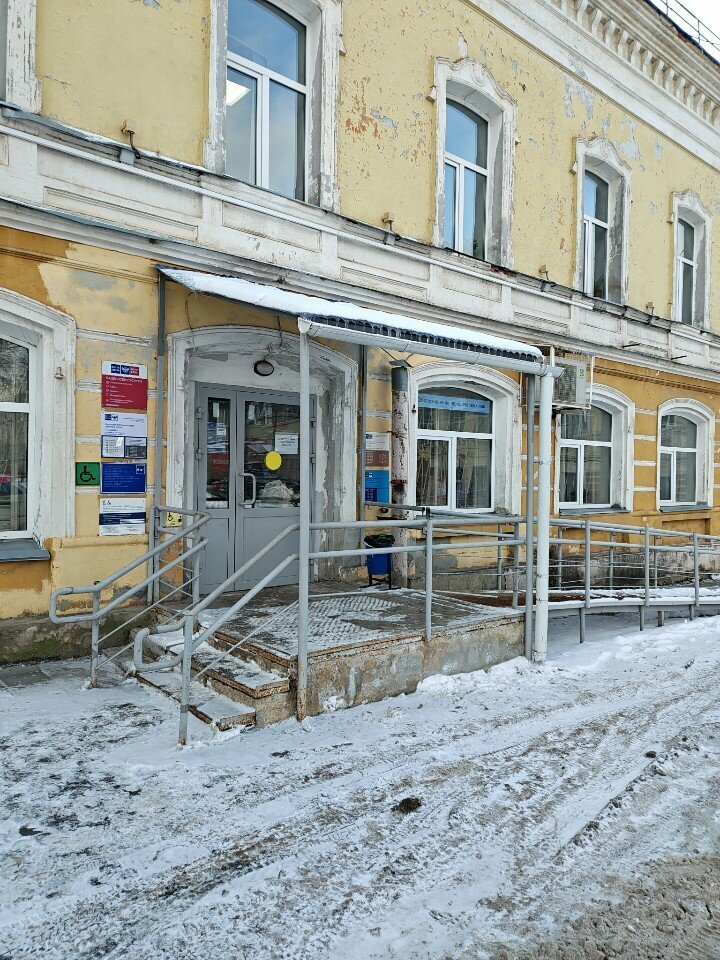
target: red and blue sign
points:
(124, 385)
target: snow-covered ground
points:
(570, 810)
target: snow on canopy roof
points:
(338, 315)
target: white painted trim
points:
(688, 206)
(51, 334)
(205, 356)
(323, 22)
(705, 419)
(472, 84)
(600, 157)
(507, 442)
(21, 82)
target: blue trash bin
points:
(379, 564)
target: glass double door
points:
(248, 480)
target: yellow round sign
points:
(273, 460)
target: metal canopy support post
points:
(160, 385)
(399, 471)
(529, 516)
(543, 519)
(304, 548)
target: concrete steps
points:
(205, 703)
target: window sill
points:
(18, 550)
(685, 508)
(590, 511)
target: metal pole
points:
(529, 514)
(151, 559)
(696, 571)
(95, 641)
(516, 567)
(587, 565)
(196, 579)
(399, 461)
(363, 441)
(160, 395)
(560, 531)
(542, 607)
(612, 559)
(185, 686)
(646, 601)
(304, 533)
(428, 574)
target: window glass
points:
(241, 126)
(13, 471)
(596, 474)
(666, 476)
(687, 240)
(267, 36)
(287, 141)
(688, 282)
(217, 484)
(596, 197)
(14, 372)
(473, 240)
(450, 198)
(569, 458)
(600, 264)
(677, 431)
(685, 476)
(454, 409)
(272, 426)
(592, 424)
(432, 472)
(466, 135)
(473, 474)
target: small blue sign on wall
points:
(124, 478)
(377, 486)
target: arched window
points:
(466, 180)
(16, 440)
(455, 449)
(685, 455)
(266, 97)
(586, 454)
(693, 225)
(596, 228)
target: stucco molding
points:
(323, 22)
(600, 156)
(688, 205)
(22, 86)
(52, 336)
(501, 111)
(507, 425)
(704, 417)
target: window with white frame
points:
(266, 100)
(693, 224)
(596, 233)
(586, 454)
(455, 449)
(466, 180)
(16, 441)
(679, 460)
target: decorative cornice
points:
(653, 46)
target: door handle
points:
(249, 503)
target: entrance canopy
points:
(339, 320)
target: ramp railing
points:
(171, 584)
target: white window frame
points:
(622, 460)
(323, 22)
(50, 335)
(589, 242)
(506, 486)
(461, 166)
(580, 446)
(470, 84)
(689, 207)
(704, 420)
(30, 408)
(264, 77)
(600, 157)
(451, 437)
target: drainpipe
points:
(159, 409)
(530, 514)
(363, 442)
(304, 547)
(399, 471)
(547, 381)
